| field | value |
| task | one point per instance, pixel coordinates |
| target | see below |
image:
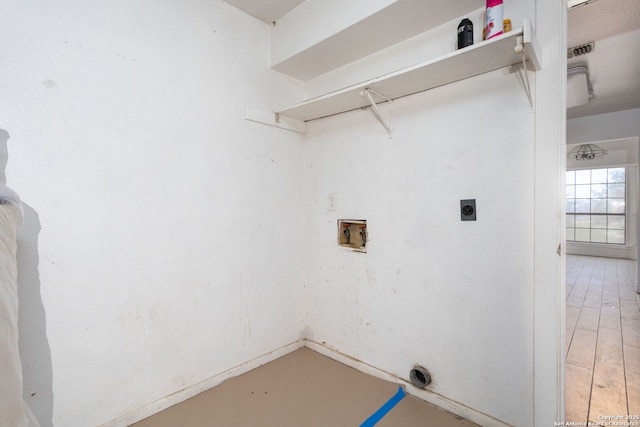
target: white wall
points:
(456, 297)
(453, 296)
(157, 250)
(548, 225)
(159, 245)
(602, 127)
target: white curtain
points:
(13, 410)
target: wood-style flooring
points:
(602, 340)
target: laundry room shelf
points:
(501, 51)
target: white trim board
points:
(504, 50)
(608, 251)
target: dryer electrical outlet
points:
(352, 233)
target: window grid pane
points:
(616, 175)
(598, 176)
(596, 205)
(583, 177)
(598, 236)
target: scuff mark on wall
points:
(49, 84)
(245, 312)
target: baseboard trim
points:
(428, 396)
(601, 250)
(189, 392)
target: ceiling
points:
(268, 11)
(614, 64)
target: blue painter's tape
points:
(384, 409)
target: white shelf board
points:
(477, 59)
(394, 23)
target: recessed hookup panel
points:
(468, 210)
(352, 233)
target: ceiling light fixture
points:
(579, 88)
(586, 152)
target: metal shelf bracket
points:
(527, 47)
(374, 107)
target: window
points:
(596, 205)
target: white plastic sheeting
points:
(13, 410)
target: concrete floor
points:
(602, 339)
(303, 388)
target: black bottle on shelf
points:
(465, 33)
